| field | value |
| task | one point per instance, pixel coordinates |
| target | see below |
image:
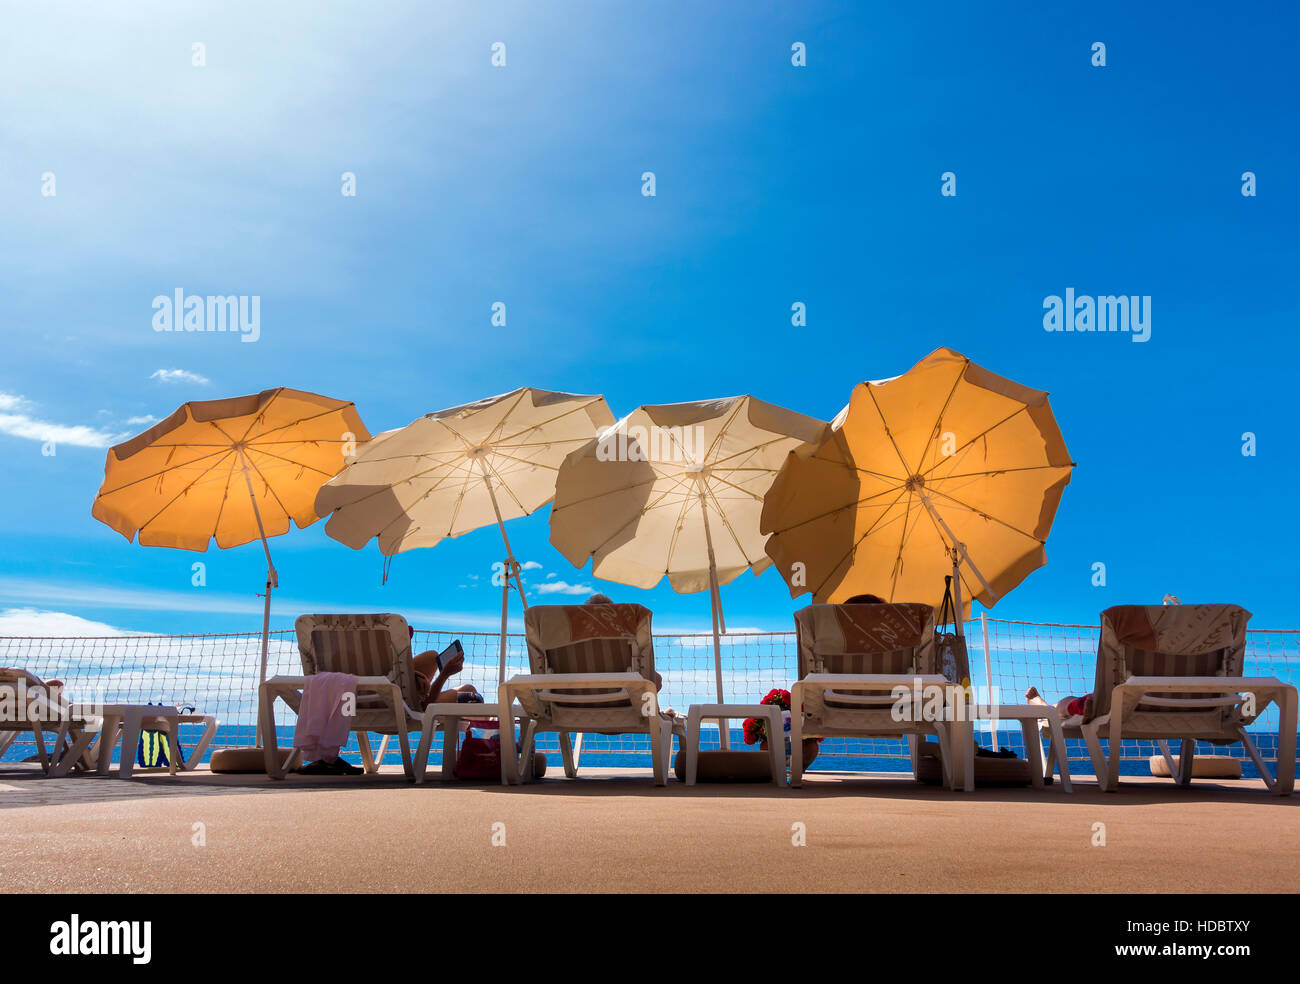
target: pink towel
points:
(322, 727)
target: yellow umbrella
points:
(229, 471)
(947, 469)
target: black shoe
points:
(341, 767)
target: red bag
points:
(480, 756)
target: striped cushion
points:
(1147, 662)
(898, 661)
(592, 656)
(361, 652)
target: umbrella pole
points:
(272, 581)
(958, 552)
(715, 603)
(956, 593)
(512, 570)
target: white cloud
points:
(530, 565)
(179, 376)
(550, 575)
(563, 587)
(148, 418)
(39, 622)
(17, 420)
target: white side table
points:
(449, 717)
(724, 712)
(962, 738)
(124, 722)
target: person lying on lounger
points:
(431, 677)
(1065, 707)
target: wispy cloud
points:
(17, 419)
(148, 418)
(530, 565)
(563, 587)
(20, 591)
(40, 622)
(179, 376)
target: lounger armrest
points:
(1208, 684)
(529, 689)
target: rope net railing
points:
(217, 674)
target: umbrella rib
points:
(722, 431)
(225, 496)
(168, 504)
(856, 543)
(750, 450)
(505, 485)
(902, 545)
(984, 433)
(287, 514)
(996, 471)
(947, 400)
(460, 498)
(290, 461)
(677, 529)
(983, 515)
(163, 471)
(830, 512)
(600, 495)
(884, 423)
(551, 420)
(292, 423)
(726, 522)
(739, 488)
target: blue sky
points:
(776, 184)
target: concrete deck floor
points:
(613, 831)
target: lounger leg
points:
(577, 751)
(527, 745)
(1270, 781)
(947, 772)
(130, 741)
(656, 753)
(1116, 742)
(404, 743)
(776, 744)
(509, 758)
(692, 748)
(270, 740)
(1286, 705)
(196, 753)
(39, 737)
(367, 757)
(1059, 752)
(108, 736)
(1049, 767)
(1033, 752)
(450, 737)
(566, 753)
(383, 748)
(1185, 762)
(69, 759)
(1100, 767)
(961, 739)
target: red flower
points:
(779, 697)
(753, 731)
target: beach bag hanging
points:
(950, 647)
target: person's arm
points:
(453, 666)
